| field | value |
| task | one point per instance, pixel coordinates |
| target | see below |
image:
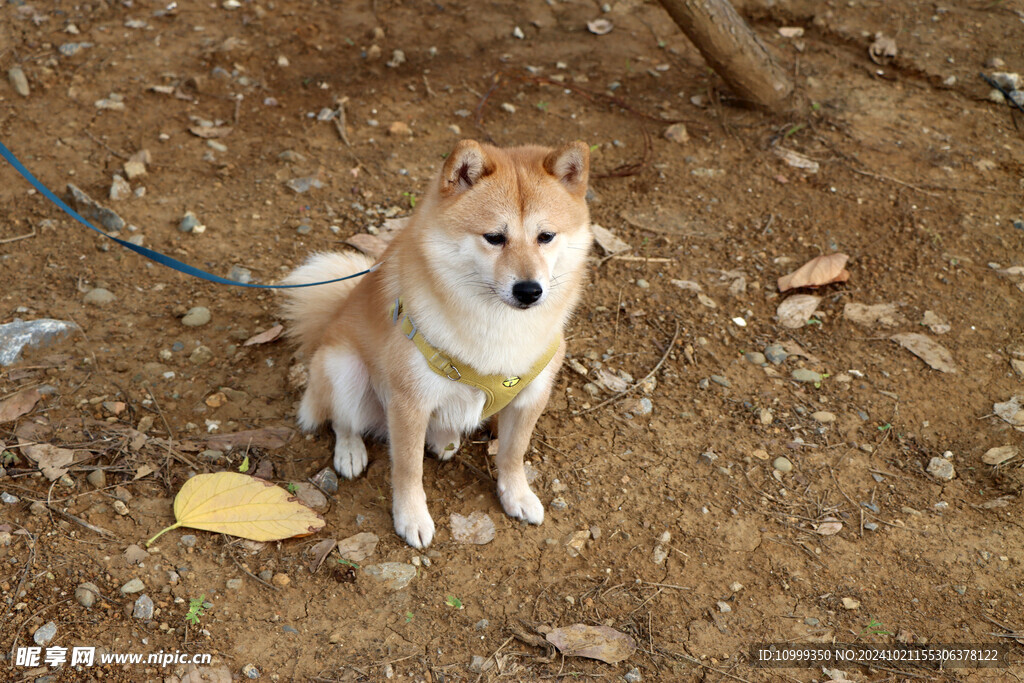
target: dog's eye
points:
(495, 238)
(545, 237)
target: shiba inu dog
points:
(461, 319)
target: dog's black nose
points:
(527, 292)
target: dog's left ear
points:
(571, 165)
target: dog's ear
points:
(463, 168)
(571, 165)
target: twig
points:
(339, 122)
(426, 84)
(19, 237)
(105, 146)
(159, 411)
(494, 656)
(24, 573)
(895, 180)
(633, 388)
(79, 520)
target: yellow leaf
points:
(243, 506)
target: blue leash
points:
(162, 259)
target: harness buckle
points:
(412, 328)
(452, 373)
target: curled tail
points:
(310, 309)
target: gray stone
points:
(98, 478)
(201, 355)
(18, 81)
(8, 498)
(304, 229)
(120, 189)
(782, 464)
(91, 210)
(394, 575)
(99, 297)
(188, 540)
(558, 504)
(327, 480)
(240, 274)
(941, 468)
(196, 317)
(143, 608)
(870, 526)
(86, 594)
(482, 625)
(633, 676)
(72, 49)
(133, 586)
(719, 379)
(188, 222)
(250, 671)
(45, 633)
(811, 621)
(303, 185)
(755, 357)
(775, 354)
(16, 335)
(805, 375)
(234, 584)
(266, 575)
(823, 416)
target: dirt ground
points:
(699, 542)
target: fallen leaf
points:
(265, 336)
(793, 349)
(610, 381)
(133, 554)
(371, 245)
(795, 310)
(208, 132)
(934, 323)
(608, 240)
(143, 471)
(316, 554)
(930, 351)
(17, 405)
(999, 455)
(478, 528)
(1011, 412)
(688, 285)
(600, 27)
(1000, 502)
(359, 547)
(820, 270)
(829, 527)
(883, 50)
(594, 642)
(797, 160)
(243, 506)
(269, 437)
(310, 496)
(53, 462)
(870, 314)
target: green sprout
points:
(292, 488)
(453, 601)
(196, 609)
(244, 467)
(411, 198)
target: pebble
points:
(281, 580)
(633, 676)
(556, 504)
(86, 594)
(188, 222)
(723, 607)
(89, 208)
(266, 575)
(677, 133)
(870, 506)
(143, 608)
(133, 586)
(708, 457)
(196, 317)
(37, 508)
(518, 33)
(397, 59)
(508, 108)
(811, 621)
(719, 379)
(327, 480)
(217, 146)
(870, 526)
(234, 584)
(805, 375)
(394, 575)
(120, 189)
(643, 284)
(240, 274)
(8, 498)
(18, 81)
(45, 633)
(134, 169)
(250, 671)
(755, 357)
(72, 49)
(823, 416)
(775, 354)
(400, 128)
(99, 297)
(188, 541)
(119, 507)
(782, 464)
(765, 416)
(735, 586)
(851, 603)
(482, 625)
(941, 468)
(201, 355)
(304, 229)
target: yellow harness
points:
(499, 390)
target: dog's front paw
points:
(413, 523)
(349, 456)
(521, 503)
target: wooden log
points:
(733, 50)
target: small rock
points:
(775, 354)
(394, 575)
(400, 128)
(250, 671)
(304, 184)
(479, 664)
(633, 676)
(1008, 81)
(481, 625)
(143, 608)
(723, 607)
(823, 416)
(941, 468)
(760, 454)
(217, 146)
(755, 357)
(18, 81)
(133, 586)
(721, 380)
(576, 541)
(45, 633)
(188, 541)
(556, 504)
(397, 59)
(327, 480)
(240, 274)
(508, 108)
(119, 507)
(90, 209)
(735, 586)
(188, 222)
(643, 284)
(86, 594)
(870, 526)
(134, 169)
(805, 375)
(851, 603)
(477, 528)
(782, 464)
(72, 49)
(196, 317)
(266, 575)
(201, 355)
(660, 554)
(120, 189)
(765, 416)
(99, 297)
(98, 478)
(234, 584)
(281, 580)
(8, 498)
(811, 621)
(677, 133)
(518, 33)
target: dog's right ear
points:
(465, 166)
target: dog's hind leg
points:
(354, 407)
(443, 443)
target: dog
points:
(462, 318)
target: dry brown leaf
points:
(143, 471)
(999, 455)
(134, 554)
(17, 405)
(870, 314)
(371, 245)
(819, 271)
(1011, 412)
(797, 160)
(316, 554)
(795, 310)
(53, 462)
(310, 496)
(930, 351)
(208, 132)
(594, 642)
(608, 240)
(268, 437)
(829, 527)
(359, 547)
(243, 506)
(265, 336)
